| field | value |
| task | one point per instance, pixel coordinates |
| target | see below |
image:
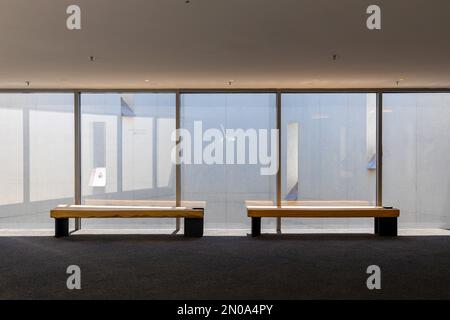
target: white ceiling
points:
(204, 44)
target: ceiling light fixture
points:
(399, 80)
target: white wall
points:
(11, 156)
(137, 162)
(51, 155)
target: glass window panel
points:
(226, 185)
(126, 150)
(328, 150)
(37, 158)
(416, 157)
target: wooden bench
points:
(193, 217)
(385, 218)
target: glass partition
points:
(37, 157)
(126, 153)
(329, 151)
(230, 152)
(328, 154)
(416, 157)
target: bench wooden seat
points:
(307, 203)
(385, 218)
(193, 217)
(146, 203)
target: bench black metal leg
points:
(61, 227)
(256, 226)
(375, 222)
(193, 227)
(387, 227)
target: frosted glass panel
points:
(37, 157)
(328, 153)
(416, 158)
(336, 137)
(126, 150)
(226, 185)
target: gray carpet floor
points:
(321, 266)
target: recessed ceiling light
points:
(146, 80)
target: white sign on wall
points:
(98, 177)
